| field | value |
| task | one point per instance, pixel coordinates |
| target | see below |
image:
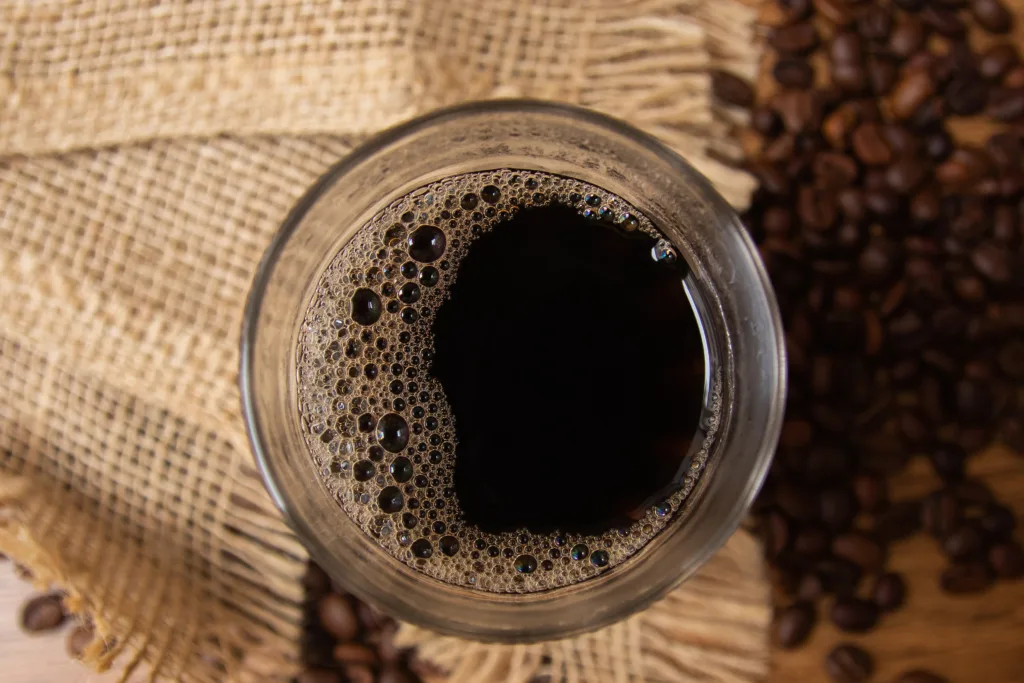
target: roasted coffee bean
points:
(940, 513)
(1014, 78)
(77, 640)
(920, 676)
(812, 542)
(859, 549)
(811, 587)
(839, 576)
(882, 74)
(43, 613)
(793, 73)
(795, 39)
(838, 507)
(338, 617)
(992, 262)
(1006, 104)
(997, 61)
(997, 523)
(908, 37)
(870, 145)
(358, 673)
(794, 624)
(943, 21)
(797, 503)
(354, 653)
(776, 534)
(851, 78)
(846, 48)
(875, 23)
(871, 491)
(854, 615)
(906, 175)
(992, 15)
(800, 110)
(847, 663)
(889, 592)
(731, 89)
(964, 543)
(1007, 559)
(910, 5)
(765, 121)
(967, 95)
(948, 461)
(966, 578)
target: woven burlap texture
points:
(712, 629)
(148, 152)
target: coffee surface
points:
(502, 380)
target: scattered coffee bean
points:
(859, 549)
(967, 577)
(1006, 104)
(354, 653)
(811, 587)
(731, 89)
(908, 37)
(848, 663)
(870, 146)
(1007, 559)
(795, 39)
(794, 624)
(997, 61)
(940, 513)
(854, 615)
(358, 673)
(964, 543)
(997, 523)
(77, 640)
(890, 592)
(43, 613)
(793, 73)
(338, 617)
(992, 15)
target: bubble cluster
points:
(378, 425)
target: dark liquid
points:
(574, 368)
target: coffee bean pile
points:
(348, 641)
(896, 254)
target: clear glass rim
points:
(641, 595)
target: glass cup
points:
(742, 334)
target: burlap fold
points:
(148, 152)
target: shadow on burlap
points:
(148, 152)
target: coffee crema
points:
(501, 380)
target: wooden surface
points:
(966, 638)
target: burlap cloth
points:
(148, 152)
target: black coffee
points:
(573, 365)
(502, 380)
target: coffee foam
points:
(366, 342)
